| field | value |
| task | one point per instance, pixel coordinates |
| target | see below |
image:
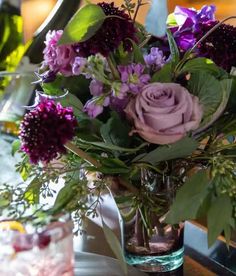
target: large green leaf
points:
(218, 217)
(115, 246)
(83, 24)
(163, 75)
(200, 64)
(212, 93)
(116, 131)
(180, 149)
(189, 198)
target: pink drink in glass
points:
(48, 252)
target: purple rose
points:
(163, 113)
(58, 58)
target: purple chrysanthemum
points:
(134, 77)
(58, 58)
(113, 31)
(45, 130)
(220, 46)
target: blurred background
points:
(35, 11)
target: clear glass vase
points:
(150, 244)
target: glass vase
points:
(150, 244)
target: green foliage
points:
(72, 101)
(198, 65)
(15, 146)
(218, 218)
(83, 24)
(115, 246)
(212, 93)
(189, 198)
(32, 191)
(174, 51)
(180, 149)
(164, 74)
(116, 131)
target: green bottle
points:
(11, 38)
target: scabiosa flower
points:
(133, 75)
(58, 58)
(220, 45)
(155, 59)
(113, 31)
(95, 106)
(45, 130)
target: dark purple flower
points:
(45, 129)
(133, 76)
(219, 46)
(155, 59)
(113, 31)
(58, 58)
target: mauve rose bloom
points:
(164, 112)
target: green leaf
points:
(113, 147)
(163, 75)
(200, 64)
(137, 54)
(115, 246)
(213, 95)
(180, 149)
(32, 192)
(116, 131)
(15, 146)
(189, 198)
(83, 24)
(174, 51)
(218, 217)
(171, 21)
(113, 166)
(66, 195)
(72, 101)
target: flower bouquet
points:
(147, 112)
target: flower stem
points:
(82, 154)
(73, 148)
(114, 71)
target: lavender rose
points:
(162, 113)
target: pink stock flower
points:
(163, 113)
(58, 58)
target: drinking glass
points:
(34, 251)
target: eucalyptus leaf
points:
(32, 192)
(180, 149)
(189, 198)
(137, 54)
(15, 146)
(115, 246)
(155, 22)
(83, 24)
(218, 217)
